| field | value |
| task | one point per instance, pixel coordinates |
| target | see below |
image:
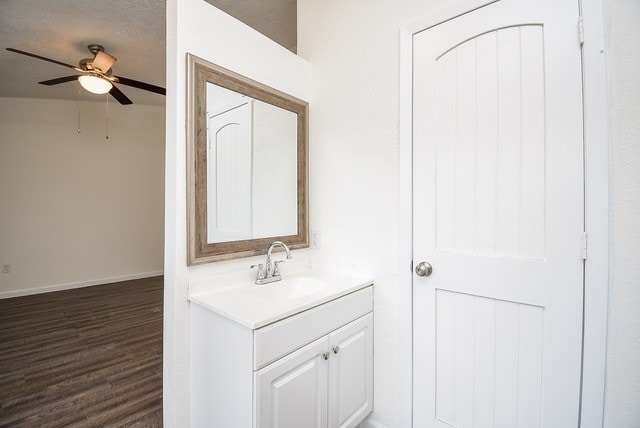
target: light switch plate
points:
(315, 239)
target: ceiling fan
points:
(96, 75)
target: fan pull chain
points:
(79, 108)
(107, 116)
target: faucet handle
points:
(276, 268)
(260, 270)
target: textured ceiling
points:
(276, 19)
(131, 30)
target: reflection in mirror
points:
(251, 167)
(246, 165)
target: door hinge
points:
(584, 245)
(580, 30)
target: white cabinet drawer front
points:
(292, 392)
(351, 373)
(273, 341)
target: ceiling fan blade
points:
(103, 61)
(59, 80)
(141, 85)
(119, 96)
(42, 58)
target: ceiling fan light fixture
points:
(103, 61)
(95, 84)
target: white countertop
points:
(255, 306)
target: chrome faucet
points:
(267, 273)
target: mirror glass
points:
(246, 165)
(251, 167)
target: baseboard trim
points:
(370, 423)
(81, 284)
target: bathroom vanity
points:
(294, 353)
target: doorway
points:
(498, 212)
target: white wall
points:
(354, 52)
(78, 209)
(622, 402)
(197, 27)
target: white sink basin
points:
(258, 305)
(291, 288)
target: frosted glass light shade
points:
(95, 84)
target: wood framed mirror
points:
(247, 147)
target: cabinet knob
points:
(325, 355)
(335, 349)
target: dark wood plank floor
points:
(85, 357)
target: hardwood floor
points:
(85, 357)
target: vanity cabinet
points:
(312, 369)
(326, 383)
(351, 373)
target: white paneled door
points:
(498, 214)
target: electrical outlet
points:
(6, 268)
(315, 239)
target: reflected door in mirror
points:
(229, 173)
(252, 168)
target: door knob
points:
(424, 269)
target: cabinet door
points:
(292, 392)
(351, 373)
